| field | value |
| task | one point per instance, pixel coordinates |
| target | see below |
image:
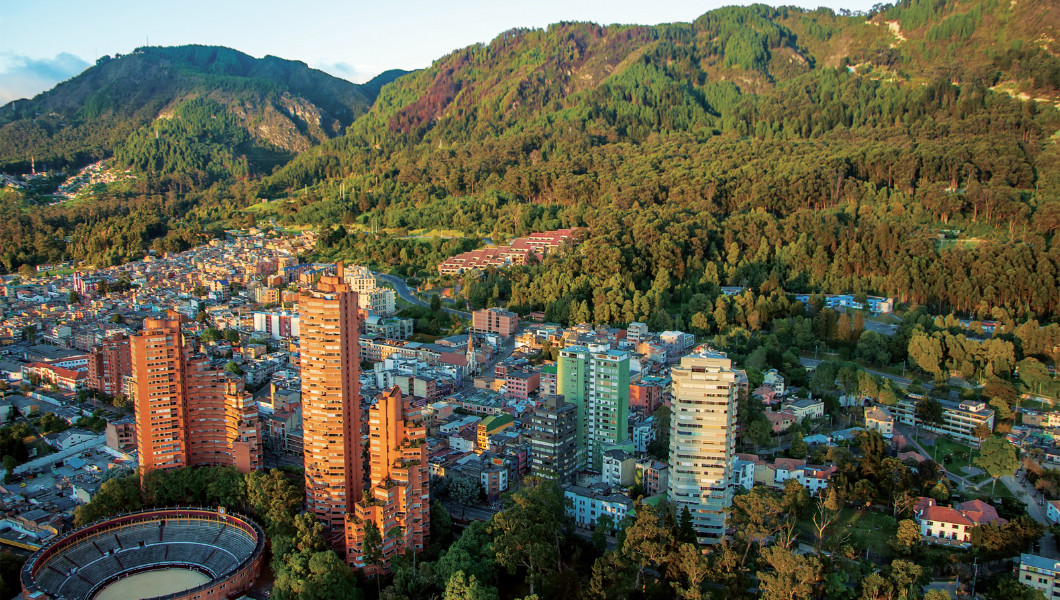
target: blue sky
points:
(43, 42)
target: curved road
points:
(902, 381)
(406, 294)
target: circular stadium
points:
(175, 554)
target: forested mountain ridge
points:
(284, 105)
(779, 149)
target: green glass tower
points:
(596, 380)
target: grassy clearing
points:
(862, 529)
(969, 243)
(264, 207)
(950, 454)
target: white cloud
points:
(350, 72)
(25, 77)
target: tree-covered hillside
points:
(780, 149)
(281, 103)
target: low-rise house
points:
(775, 380)
(1052, 511)
(654, 476)
(587, 504)
(643, 434)
(618, 468)
(743, 473)
(878, 418)
(1040, 573)
(953, 525)
(781, 421)
(806, 408)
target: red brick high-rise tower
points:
(331, 403)
(398, 501)
(188, 413)
(109, 363)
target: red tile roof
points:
(945, 514)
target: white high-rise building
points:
(702, 442)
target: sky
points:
(43, 42)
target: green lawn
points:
(967, 243)
(264, 207)
(862, 529)
(953, 455)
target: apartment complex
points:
(108, 364)
(521, 251)
(552, 440)
(494, 320)
(702, 442)
(397, 503)
(381, 301)
(188, 413)
(331, 403)
(959, 420)
(596, 381)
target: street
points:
(902, 381)
(406, 294)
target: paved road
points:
(902, 381)
(406, 294)
(888, 329)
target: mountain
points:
(776, 149)
(284, 106)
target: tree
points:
(273, 499)
(827, 510)
(907, 537)
(982, 432)
(233, 368)
(648, 541)
(10, 567)
(527, 533)
(795, 498)
(232, 335)
(460, 588)
(756, 515)
(373, 551)
(613, 578)
(471, 553)
(759, 432)
(799, 448)
(599, 536)
(792, 576)
(997, 456)
(73, 297)
(464, 490)
(121, 494)
(692, 569)
(908, 578)
(929, 409)
(1007, 588)
(441, 526)
(9, 463)
(686, 531)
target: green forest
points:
(777, 149)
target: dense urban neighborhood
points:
(221, 357)
(761, 302)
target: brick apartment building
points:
(188, 413)
(494, 320)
